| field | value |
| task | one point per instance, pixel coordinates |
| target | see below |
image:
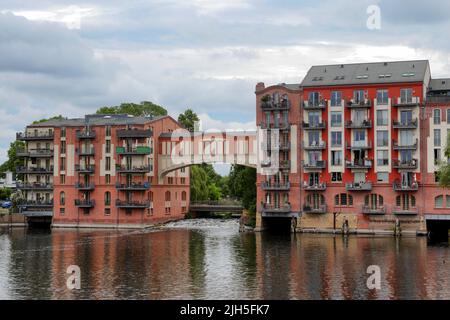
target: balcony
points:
(358, 186)
(134, 133)
(35, 153)
(405, 124)
(412, 146)
(365, 145)
(85, 134)
(405, 165)
(128, 204)
(275, 186)
(27, 204)
(285, 146)
(31, 136)
(86, 152)
(405, 211)
(268, 105)
(271, 208)
(138, 150)
(322, 186)
(366, 103)
(378, 210)
(307, 208)
(83, 203)
(411, 187)
(438, 99)
(34, 170)
(320, 164)
(358, 164)
(133, 186)
(84, 186)
(314, 126)
(34, 186)
(314, 105)
(406, 102)
(85, 168)
(365, 124)
(321, 145)
(285, 164)
(134, 169)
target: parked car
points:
(6, 204)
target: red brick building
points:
(368, 137)
(100, 170)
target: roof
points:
(440, 84)
(291, 86)
(97, 120)
(366, 73)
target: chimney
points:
(260, 86)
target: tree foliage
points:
(59, 117)
(13, 161)
(188, 119)
(145, 108)
(242, 185)
(444, 168)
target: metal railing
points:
(358, 186)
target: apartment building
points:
(371, 137)
(100, 170)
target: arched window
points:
(107, 198)
(343, 199)
(373, 200)
(62, 198)
(167, 196)
(438, 202)
(183, 195)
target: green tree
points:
(199, 184)
(13, 160)
(145, 108)
(59, 117)
(444, 167)
(242, 185)
(188, 119)
(5, 193)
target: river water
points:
(210, 259)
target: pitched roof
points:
(440, 84)
(366, 73)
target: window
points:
(62, 198)
(382, 117)
(406, 95)
(438, 202)
(314, 137)
(313, 118)
(382, 138)
(437, 156)
(359, 137)
(437, 137)
(382, 158)
(358, 96)
(108, 146)
(62, 179)
(448, 115)
(314, 98)
(336, 98)
(183, 195)
(107, 211)
(336, 177)
(336, 139)
(108, 131)
(107, 198)
(437, 116)
(373, 200)
(183, 170)
(108, 163)
(63, 164)
(167, 196)
(63, 132)
(447, 201)
(170, 180)
(63, 147)
(62, 211)
(336, 158)
(183, 181)
(436, 177)
(107, 178)
(344, 199)
(382, 96)
(383, 176)
(336, 119)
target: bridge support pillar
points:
(259, 222)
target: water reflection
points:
(209, 259)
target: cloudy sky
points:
(69, 58)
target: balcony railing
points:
(134, 169)
(308, 208)
(271, 208)
(322, 186)
(285, 164)
(405, 165)
(134, 133)
(34, 186)
(405, 124)
(438, 99)
(137, 150)
(132, 204)
(271, 105)
(30, 136)
(87, 151)
(359, 145)
(412, 146)
(85, 168)
(320, 164)
(366, 103)
(314, 105)
(314, 126)
(358, 164)
(365, 124)
(35, 153)
(84, 186)
(133, 186)
(285, 145)
(85, 134)
(321, 145)
(358, 186)
(36, 204)
(83, 203)
(280, 126)
(405, 211)
(375, 210)
(398, 186)
(406, 101)
(34, 170)
(275, 186)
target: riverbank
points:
(11, 220)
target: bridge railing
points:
(222, 202)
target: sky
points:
(70, 58)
